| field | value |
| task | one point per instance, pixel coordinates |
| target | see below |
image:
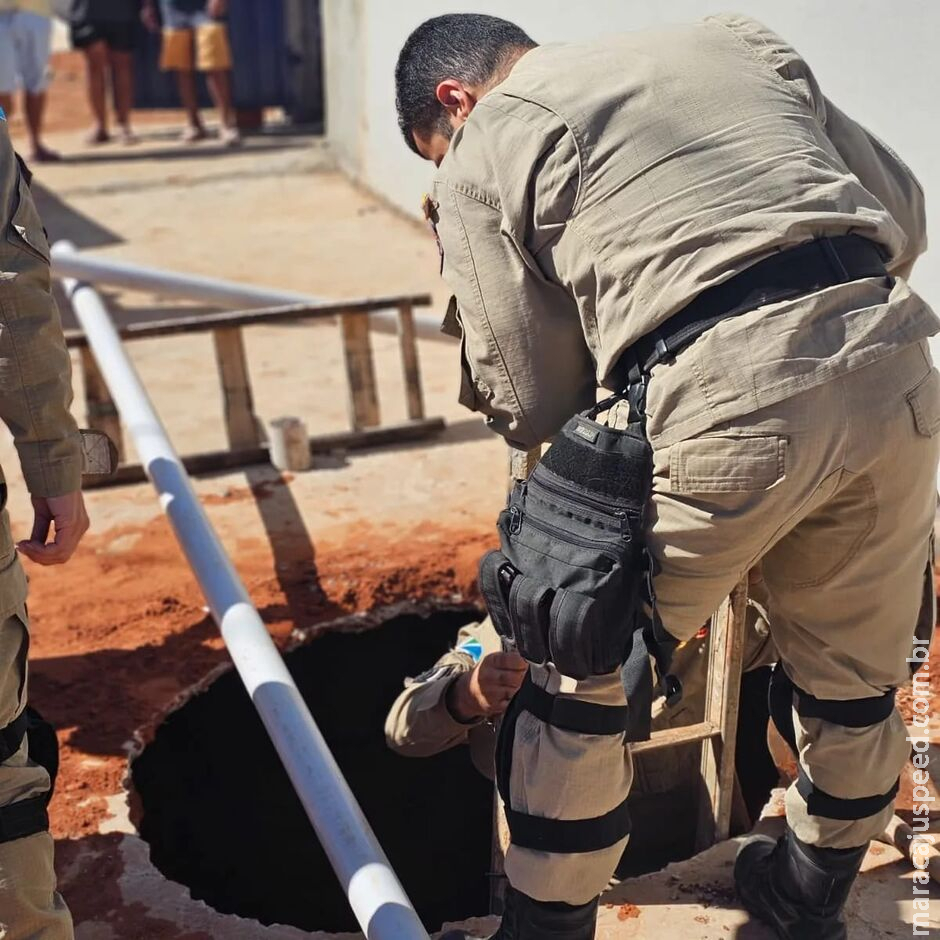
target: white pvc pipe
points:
(230, 295)
(377, 898)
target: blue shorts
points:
(25, 44)
(184, 14)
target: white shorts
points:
(25, 44)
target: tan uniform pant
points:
(30, 906)
(834, 490)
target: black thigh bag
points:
(572, 576)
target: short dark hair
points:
(468, 46)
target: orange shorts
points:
(212, 51)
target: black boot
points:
(797, 889)
(527, 919)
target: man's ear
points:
(456, 98)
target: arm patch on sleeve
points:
(472, 647)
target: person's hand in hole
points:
(486, 691)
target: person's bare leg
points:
(35, 106)
(96, 72)
(220, 87)
(186, 81)
(122, 87)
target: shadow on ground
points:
(204, 150)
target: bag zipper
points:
(515, 525)
(585, 502)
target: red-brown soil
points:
(117, 636)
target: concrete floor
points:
(692, 899)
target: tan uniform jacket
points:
(35, 369)
(602, 186)
(420, 724)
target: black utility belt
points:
(785, 275)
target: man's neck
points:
(505, 68)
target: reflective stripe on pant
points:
(834, 490)
(30, 906)
(558, 774)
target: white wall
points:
(878, 61)
(345, 74)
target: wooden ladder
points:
(245, 433)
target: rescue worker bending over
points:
(594, 201)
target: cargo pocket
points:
(14, 653)
(727, 464)
(25, 231)
(924, 402)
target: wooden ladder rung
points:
(674, 737)
(360, 371)
(241, 424)
(409, 362)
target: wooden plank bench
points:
(244, 431)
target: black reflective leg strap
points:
(569, 836)
(853, 713)
(820, 803)
(780, 704)
(11, 737)
(43, 745)
(850, 713)
(649, 639)
(25, 818)
(783, 696)
(561, 836)
(570, 714)
(636, 676)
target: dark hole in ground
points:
(222, 818)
